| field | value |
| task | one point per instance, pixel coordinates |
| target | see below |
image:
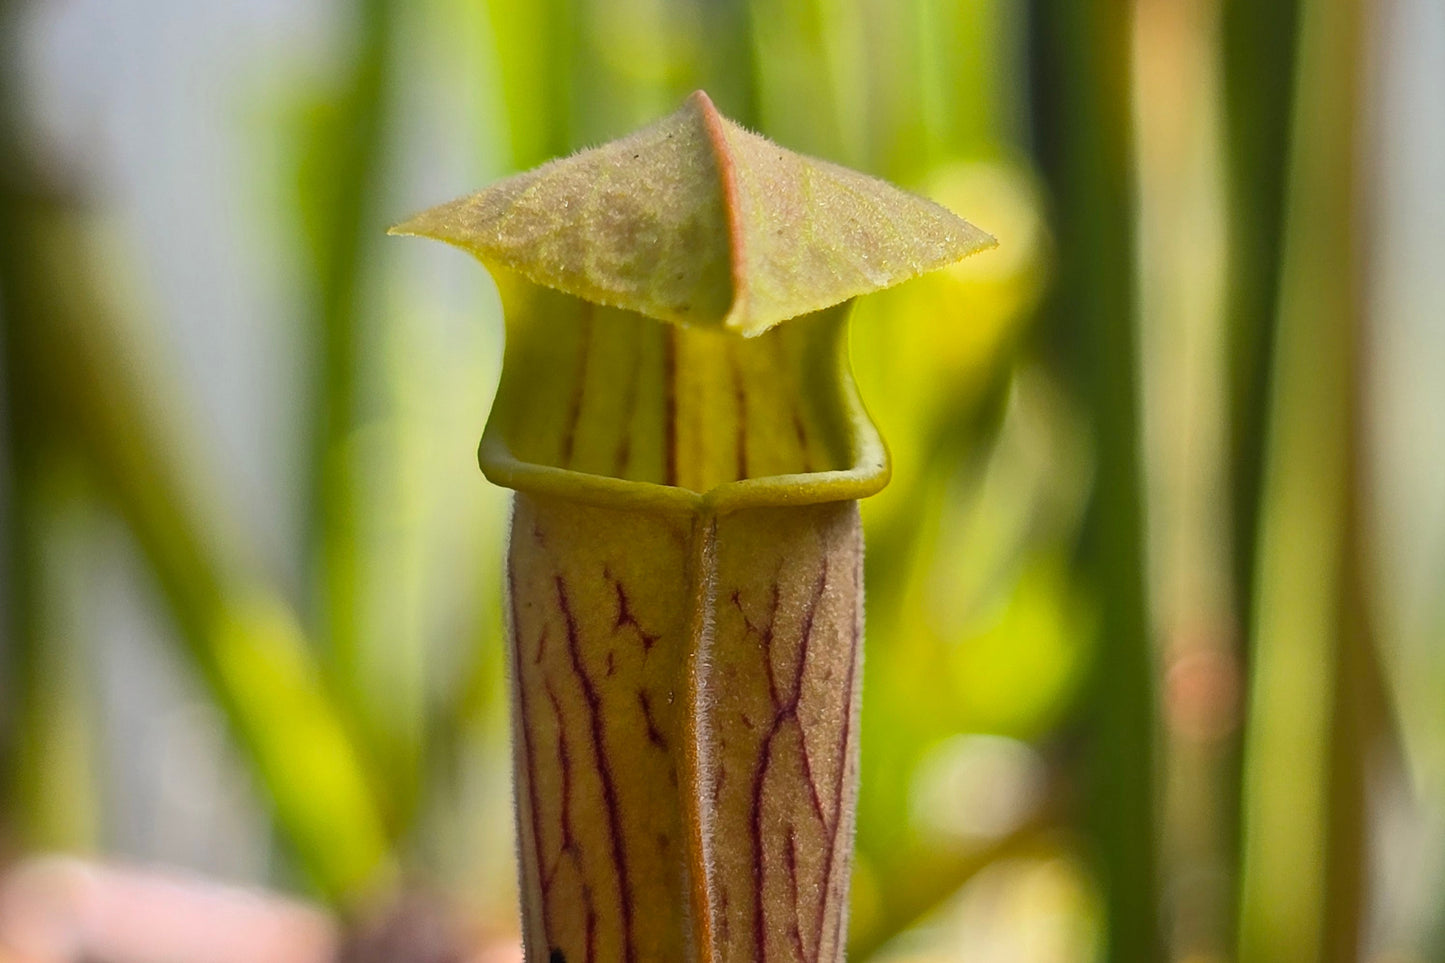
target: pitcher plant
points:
(679, 422)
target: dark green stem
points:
(1258, 45)
(1303, 871)
(1259, 42)
(24, 434)
(1081, 57)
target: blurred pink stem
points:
(61, 910)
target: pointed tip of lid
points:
(700, 99)
(411, 227)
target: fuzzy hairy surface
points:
(696, 220)
(685, 706)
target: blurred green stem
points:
(536, 47)
(31, 704)
(1081, 60)
(1303, 880)
(46, 794)
(727, 59)
(349, 223)
(797, 66)
(1258, 46)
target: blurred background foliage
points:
(1154, 660)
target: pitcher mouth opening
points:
(865, 473)
(607, 406)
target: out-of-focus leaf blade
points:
(258, 669)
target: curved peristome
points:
(606, 406)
